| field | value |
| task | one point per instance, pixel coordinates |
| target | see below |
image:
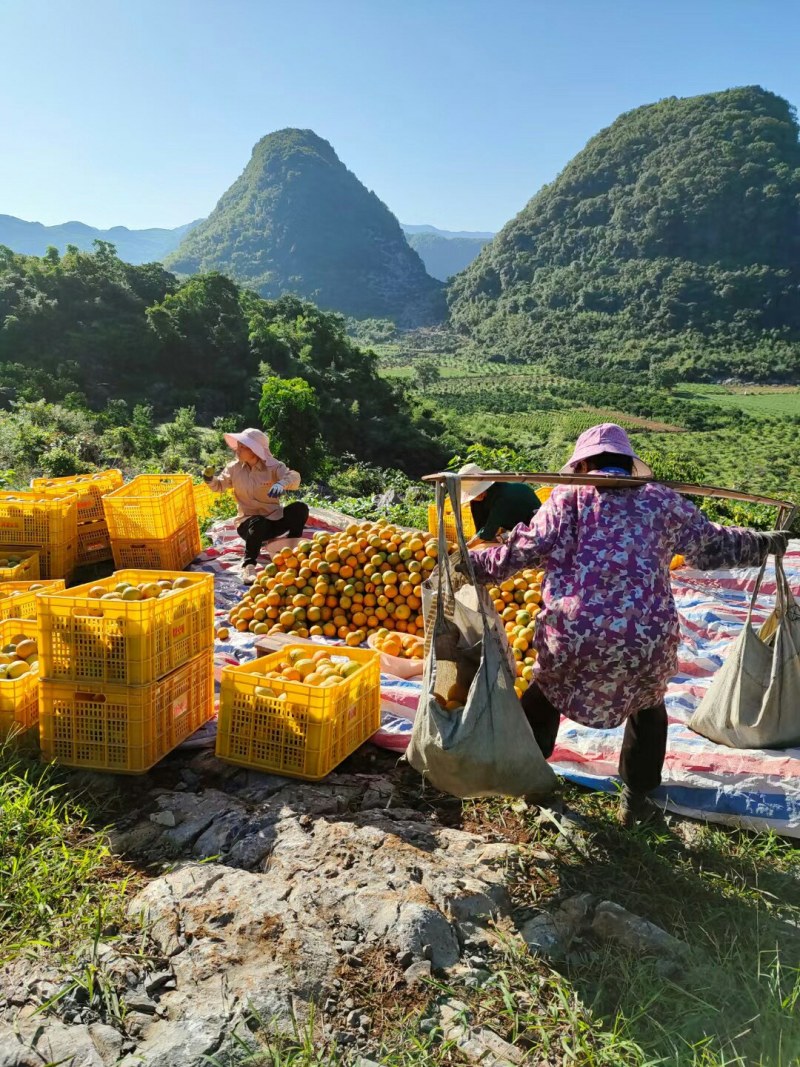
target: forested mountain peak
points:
(682, 215)
(297, 220)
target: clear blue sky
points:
(142, 112)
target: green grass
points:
(754, 400)
(733, 897)
(58, 881)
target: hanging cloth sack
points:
(485, 746)
(754, 700)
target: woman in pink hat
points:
(258, 481)
(607, 634)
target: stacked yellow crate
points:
(152, 522)
(47, 524)
(126, 675)
(94, 543)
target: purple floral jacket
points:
(608, 632)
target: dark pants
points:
(255, 529)
(644, 745)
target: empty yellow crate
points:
(19, 697)
(450, 521)
(124, 729)
(88, 488)
(26, 570)
(125, 642)
(293, 729)
(152, 506)
(94, 543)
(20, 600)
(171, 553)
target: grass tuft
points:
(58, 880)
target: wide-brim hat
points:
(607, 437)
(256, 440)
(471, 488)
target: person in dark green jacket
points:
(496, 506)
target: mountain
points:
(134, 246)
(670, 244)
(298, 221)
(408, 228)
(444, 255)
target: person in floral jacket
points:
(608, 632)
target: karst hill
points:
(298, 221)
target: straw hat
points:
(470, 488)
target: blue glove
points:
(276, 490)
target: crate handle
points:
(78, 613)
(94, 698)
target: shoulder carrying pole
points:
(786, 509)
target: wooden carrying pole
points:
(786, 509)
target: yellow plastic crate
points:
(204, 499)
(152, 506)
(450, 521)
(88, 488)
(27, 518)
(19, 697)
(124, 729)
(171, 553)
(125, 642)
(543, 492)
(20, 600)
(293, 729)
(56, 561)
(26, 570)
(94, 543)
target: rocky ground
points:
(265, 903)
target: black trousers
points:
(644, 745)
(255, 529)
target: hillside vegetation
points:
(670, 245)
(298, 221)
(95, 334)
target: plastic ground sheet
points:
(753, 788)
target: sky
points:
(455, 112)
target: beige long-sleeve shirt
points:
(251, 486)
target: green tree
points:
(426, 374)
(290, 412)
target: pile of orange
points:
(342, 585)
(517, 601)
(400, 645)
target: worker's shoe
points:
(249, 573)
(637, 809)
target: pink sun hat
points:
(256, 440)
(607, 437)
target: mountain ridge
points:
(134, 246)
(670, 243)
(298, 221)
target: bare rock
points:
(43, 1040)
(107, 1041)
(551, 933)
(418, 972)
(613, 923)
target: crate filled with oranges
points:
(299, 712)
(342, 585)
